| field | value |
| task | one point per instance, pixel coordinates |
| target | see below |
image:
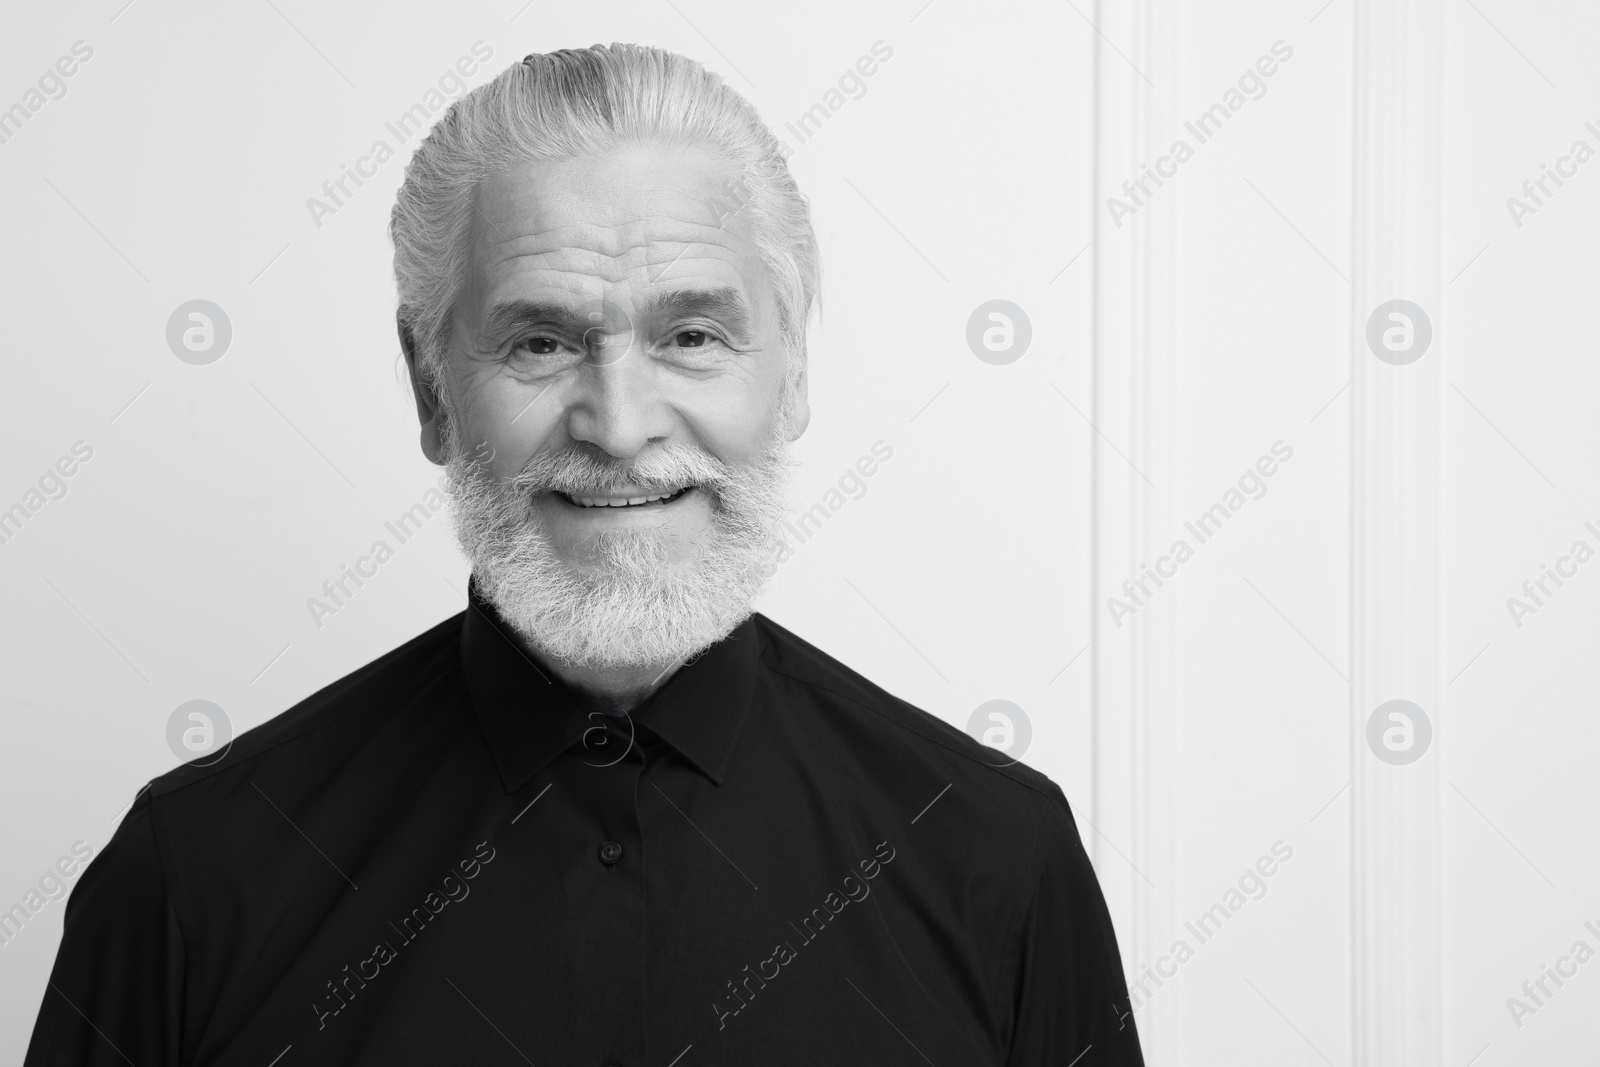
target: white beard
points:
(632, 606)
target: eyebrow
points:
(725, 305)
(506, 320)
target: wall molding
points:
(1133, 724)
(1394, 532)
(1395, 447)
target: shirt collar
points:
(528, 714)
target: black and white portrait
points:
(687, 534)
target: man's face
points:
(617, 370)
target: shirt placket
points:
(615, 974)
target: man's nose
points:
(618, 405)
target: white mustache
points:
(578, 471)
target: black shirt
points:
(449, 857)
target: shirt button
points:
(610, 853)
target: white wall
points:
(1214, 323)
(1231, 712)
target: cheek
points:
(737, 412)
(505, 420)
(733, 418)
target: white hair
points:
(577, 102)
(628, 602)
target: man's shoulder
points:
(903, 727)
(376, 687)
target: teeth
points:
(632, 501)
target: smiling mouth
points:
(623, 500)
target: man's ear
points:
(801, 417)
(430, 409)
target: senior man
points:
(607, 815)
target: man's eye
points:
(691, 338)
(537, 346)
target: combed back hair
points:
(578, 102)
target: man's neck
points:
(617, 689)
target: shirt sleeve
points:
(116, 993)
(1071, 1002)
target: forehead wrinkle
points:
(576, 241)
(661, 264)
(612, 195)
(611, 257)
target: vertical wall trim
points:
(1133, 725)
(1395, 460)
